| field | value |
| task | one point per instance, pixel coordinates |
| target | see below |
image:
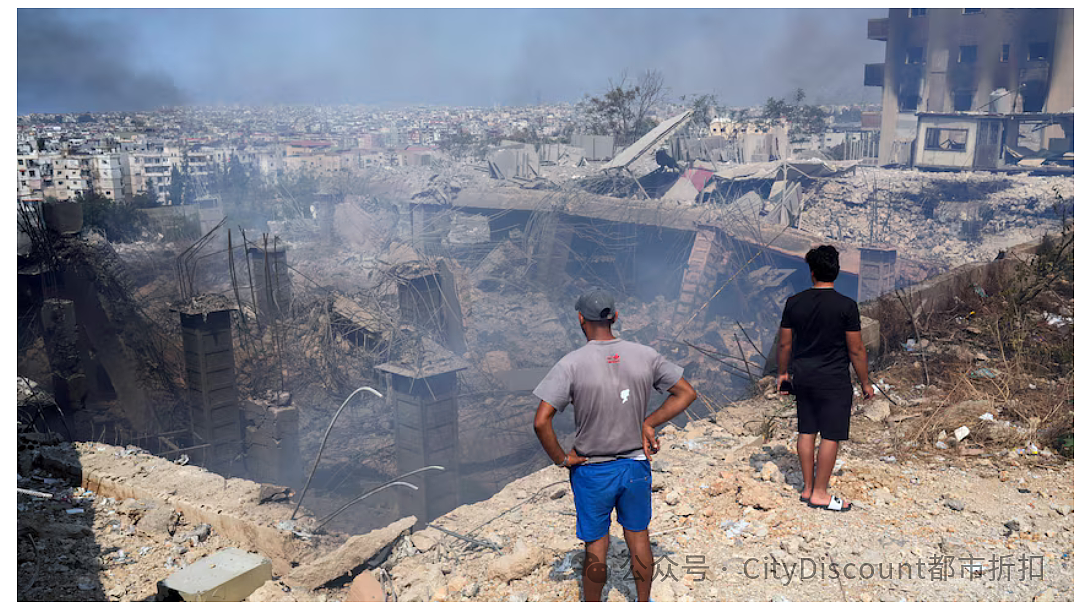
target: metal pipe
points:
(323, 446)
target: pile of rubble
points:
(725, 506)
(924, 213)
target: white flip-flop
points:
(834, 504)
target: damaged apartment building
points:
(976, 89)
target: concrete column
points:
(61, 346)
(211, 383)
(700, 274)
(452, 316)
(419, 298)
(425, 416)
(272, 443)
(273, 289)
(550, 243)
(876, 272)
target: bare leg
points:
(640, 553)
(806, 441)
(825, 463)
(595, 568)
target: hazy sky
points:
(126, 59)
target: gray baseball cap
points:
(596, 305)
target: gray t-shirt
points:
(608, 383)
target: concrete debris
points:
(365, 588)
(877, 410)
(160, 520)
(353, 553)
(520, 563)
(230, 575)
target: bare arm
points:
(860, 360)
(783, 354)
(544, 428)
(680, 397)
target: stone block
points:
(230, 575)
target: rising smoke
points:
(83, 60)
(63, 67)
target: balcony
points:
(874, 75)
(878, 29)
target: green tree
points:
(805, 119)
(705, 107)
(177, 186)
(624, 110)
(151, 191)
(117, 221)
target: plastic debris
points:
(961, 433)
(732, 528)
(1055, 320)
(76, 510)
(987, 417)
(941, 445)
(984, 373)
(183, 460)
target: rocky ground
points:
(77, 546)
(944, 525)
(922, 212)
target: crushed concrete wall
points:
(230, 506)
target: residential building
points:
(954, 60)
(107, 173)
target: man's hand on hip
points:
(649, 441)
(573, 459)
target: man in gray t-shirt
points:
(608, 381)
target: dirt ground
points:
(721, 512)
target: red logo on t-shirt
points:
(612, 360)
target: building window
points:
(963, 100)
(968, 54)
(941, 139)
(908, 102)
(1039, 51)
(914, 55)
(971, 11)
(1005, 52)
(917, 12)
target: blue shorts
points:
(624, 484)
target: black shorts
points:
(825, 411)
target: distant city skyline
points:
(76, 60)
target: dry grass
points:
(994, 351)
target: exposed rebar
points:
(393, 482)
(323, 446)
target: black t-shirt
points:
(820, 319)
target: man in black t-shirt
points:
(820, 337)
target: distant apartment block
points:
(997, 61)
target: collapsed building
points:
(449, 296)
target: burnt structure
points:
(877, 273)
(423, 391)
(212, 393)
(946, 60)
(273, 290)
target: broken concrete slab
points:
(230, 575)
(517, 565)
(354, 552)
(160, 520)
(365, 588)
